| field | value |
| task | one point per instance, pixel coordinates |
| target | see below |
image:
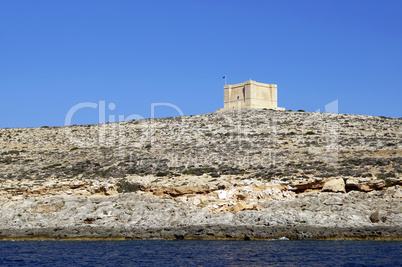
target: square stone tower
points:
(250, 94)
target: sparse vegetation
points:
(126, 187)
(388, 183)
(382, 176)
(51, 166)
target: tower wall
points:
(250, 94)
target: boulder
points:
(299, 187)
(364, 185)
(335, 185)
(377, 217)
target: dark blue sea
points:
(200, 253)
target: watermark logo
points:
(240, 138)
(110, 131)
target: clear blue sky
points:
(55, 54)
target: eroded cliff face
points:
(242, 174)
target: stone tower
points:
(250, 94)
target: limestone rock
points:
(333, 201)
(335, 185)
(375, 217)
(307, 185)
(103, 189)
(395, 192)
(364, 185)
(207, 175)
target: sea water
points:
(200, 253)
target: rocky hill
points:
(250, 174)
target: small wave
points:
(283, 238)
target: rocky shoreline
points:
(255, 174)
(314, 215)
(208, 232)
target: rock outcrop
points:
(334, 185)
(249, 174)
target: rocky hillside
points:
(237, 170)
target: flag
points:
(224, 77)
